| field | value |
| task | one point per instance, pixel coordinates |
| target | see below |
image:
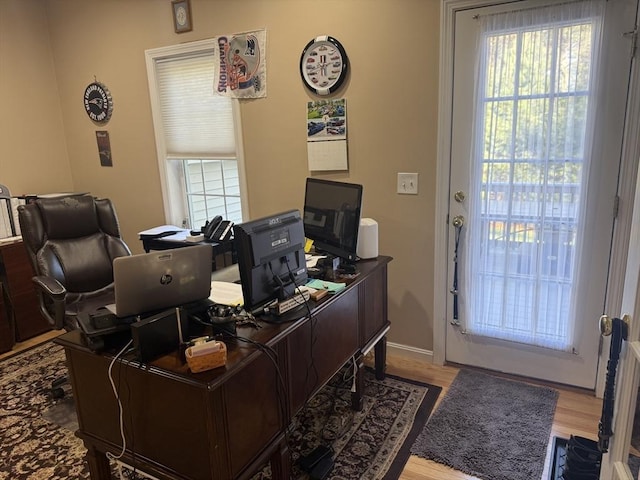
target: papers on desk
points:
(312, 260)
(226, 293)
(10, 239)
(165, 232)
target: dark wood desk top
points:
(238, 352)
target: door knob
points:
(606, 324)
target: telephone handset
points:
(217, 230)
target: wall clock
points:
(98, 102)
(323, 65)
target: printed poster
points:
(241, 68)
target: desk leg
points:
(380, 353)
(281, 462)
(98, 464)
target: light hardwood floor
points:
(577, 412)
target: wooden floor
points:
(577, 412)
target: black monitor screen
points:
(271, 258)
(332, 216)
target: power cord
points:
(110, 455)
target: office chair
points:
(71, 243)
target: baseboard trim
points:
(406, 351)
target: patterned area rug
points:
(37, 440)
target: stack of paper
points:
(5, 222)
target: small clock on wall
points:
(323, 65)
(181, 16)
(98, 102)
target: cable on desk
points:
(312, 341)
(120, 410)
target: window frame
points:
(174, 195)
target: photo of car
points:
(335, 130)
(314, 128)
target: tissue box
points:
(206, 356)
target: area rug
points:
(37, 439)
(490, 427)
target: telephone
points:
(217, 230)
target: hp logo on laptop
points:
(166, 279)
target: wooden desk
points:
(228, 422)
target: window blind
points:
(197, 123)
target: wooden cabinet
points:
(7, 333)
(22, 301)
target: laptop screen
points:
(152, 281)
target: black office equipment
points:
(309, 461)
(159, 334)
(332, 216)
(218, 230)
(271, 258)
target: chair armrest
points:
(51, 295)
(50, 286)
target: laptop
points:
(149, 282)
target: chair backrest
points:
(73, 239)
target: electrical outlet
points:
(408, 183)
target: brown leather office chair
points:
(71, 242)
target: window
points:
(197, 136)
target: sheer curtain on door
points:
(534, 112)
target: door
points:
(537, 126)
(625, 426)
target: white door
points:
(537, 172)
(614, 462)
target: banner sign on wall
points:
(241, 68)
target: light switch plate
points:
(408, 183)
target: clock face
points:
(98, 103)
(323, 65)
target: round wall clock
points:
(323, 65)
(98, 102)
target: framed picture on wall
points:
(181, 16)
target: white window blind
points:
(197, 123)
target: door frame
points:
(614, 463)
(626, 186)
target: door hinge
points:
(633, 35)
(616, 206)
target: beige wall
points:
(33, 152)
(391, 93)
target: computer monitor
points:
(271, 258)
(332, 216)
